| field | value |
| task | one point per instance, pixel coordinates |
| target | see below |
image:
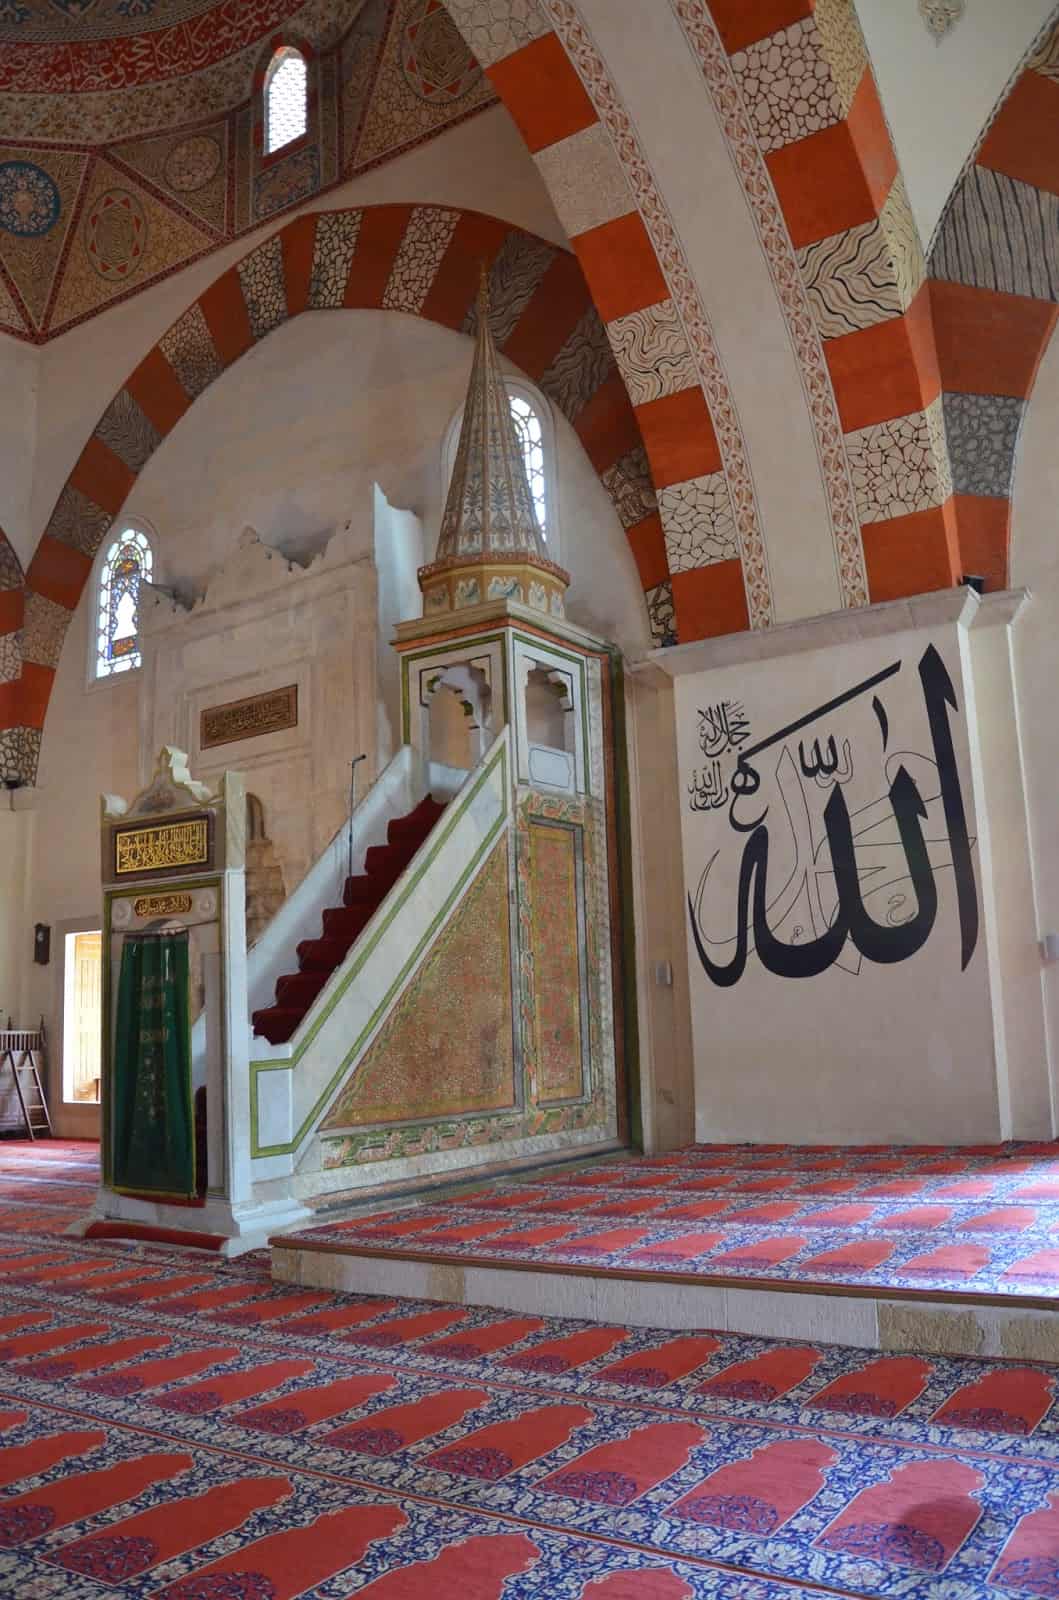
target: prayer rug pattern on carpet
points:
(965, 1220)
(179, 1427)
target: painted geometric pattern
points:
(697, 522)
(787, 86)
(741, 121)
(425, 79)
(896, 465)
(422, 264)
(1000, 233)
(195, 1431)
(425, 241)
(447, 1047)
(652, 352)
(841, 268)
(658, 324)
(994, 266)
(982, 430)
(851, 280)
(202, 184)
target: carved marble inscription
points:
(249, 718)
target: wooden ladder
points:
(20, 1051)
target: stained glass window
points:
(128, 560)
(286, 98)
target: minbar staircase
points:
(342, 925)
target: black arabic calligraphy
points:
(882, 942)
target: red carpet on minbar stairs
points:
(180, 1428)
(964, 1221)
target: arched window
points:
(531, 437)
(533, 425)
(127, 560)
(286, 98)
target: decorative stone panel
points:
(698, 522)
(982, 432)
(188, 347)
(652, 352)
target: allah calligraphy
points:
(162, 847)
(250, 718)
(813, 883)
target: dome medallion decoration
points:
(436, 62)
(190, 165)
(29, 199)
(115, 234)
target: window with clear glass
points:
(531, 437)
(127, 562)
(286, 98)
(83, 988)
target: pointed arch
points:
(422, 260)
(843, 249)
(994, 288)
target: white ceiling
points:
(938, 95)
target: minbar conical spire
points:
(489, 529)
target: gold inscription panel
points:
(162, 905)
(249, 718)
(162, 847)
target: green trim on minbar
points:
(405, 887)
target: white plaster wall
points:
(399, 553)
(902, 1051)
(1034, 562)
(293, 438)
(937, 96)
(19, 392)
(94, 750)
(16, 851)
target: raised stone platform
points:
(950, 1250)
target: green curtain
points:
(154, 1145)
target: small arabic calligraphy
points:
(722, 727)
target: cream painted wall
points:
(938, 95)
(19, 394)
(1035, 564)
(95, 751)
(17, 823)
(482, 165)
(863, 1051)
(293, 438)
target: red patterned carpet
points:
(969, 1221)
(177, 1427)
